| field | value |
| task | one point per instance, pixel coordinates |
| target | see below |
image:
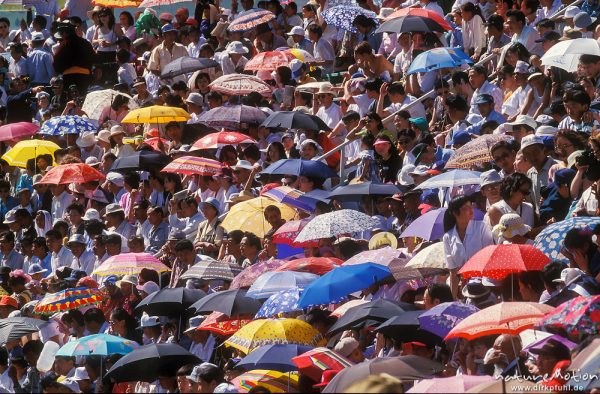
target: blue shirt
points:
(592, 8)
(157, 237)
(442, 154)
(493, 116)
(374, 39)
(46, 264)
(10, 203)
(39, 66)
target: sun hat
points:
(236, 47)
(36, 269)
(10, 217)
(194, 323)
(149, 321)
(86, 139)
(131, 279)
(530, 140)
(509, 226)
(296, 31)
(346, 346)
(113, 208)
(115, 178)
(92, 161)
(489, 178)
(326, 88)
(525, 120)
(571, 11)
(76, 238)
(475, 289)
(196, 99)
(213, 202)
(104, 136)
(521, 67)
(582, 20)
(382, 239)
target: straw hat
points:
(383, 239)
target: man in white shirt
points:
(232, 59)
(479, 82)
(323, 52)
(399, 100)
(195, 106)
(126, 72)
(17, 63)
(523, 33)
(192, 218)
(82, 259)
(203, 342)
(61, 256)
(328, 111)
(115, 221)
(61, 199)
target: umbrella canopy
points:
(438, 58)
(413, 23)
(295, 120)
(420, 12)
(235, 117)
(452, 178)
(331, 224)
(248, 20)
(503, 318)
(275, 357)
(270, 283)
(586, 361)
(310, 168)
(499, 261)
(383, 256)
(249, 216)
(169, 301)
(288, 232)
(97, 345)
(443, 317)
(155, 143)
(367, 314)
(281, 302)
(550, 239)
(475, 152)
(72, 173)
(301, 54)
(158, 3)
(230, 302)
(222, 138)
(342, 16)
(566, 54)
(142, 160)
(338, 283)
(365, 188)
(274, 381)
(239, 84)
(17, 131)
(574, 318)
(249, 274)
(186, 65)
(341, 310)
(67, 124)
(95, 102)
(129, 264)
(18, 155)
(66, 300)
(192, 165)
(314, 362)
(405, 328)
(453, 384)
(221, 324)
(292, 197)
(117, 3)
(156, 114)
(429, 227)
(145, 362)
(314, 265)
(432, 256)
(269, 61)
(13, 328)
(212, 270)
(274, 331)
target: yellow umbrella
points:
(249, 216)
(18, 155)
(274, 381)
(274, 331)
(156, 114)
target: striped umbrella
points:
(212, 270)
(274, 381)
(314, 362)
(67, 300)
(240, 84)
(475, 152)
(191, 165)
(129, 264)
(250, 19)
(269, 61)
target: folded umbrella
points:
(169, 301)
(368, 314)
(438, 58)
(365, 188)
(97, 345)
(275, 357)
(17, 131)
(295, 120)
(281, 302)
(230, 302)
(270, 283)
(299, 167)
(68, 124)
(186, 65)
(314, 362)
(550, 240)
(332, 224)
(499, 261)
(249, 274)
(429, 227)
(78, 173)
(142, 160)
(235, 117)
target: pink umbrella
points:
(17, 131)
(249, 274)
(287, 234)
(240, 84)
(453, 384)
(269, 61)
(222, 138)
(383, 256)
(130, 264)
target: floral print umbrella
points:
(344, 221)
(550, 240)
(576, 317)
(443, 317)
(68, 124)
(240, 84)
(342, 16)
(248, 20)
(281, 302)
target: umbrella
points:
(338, 283)
(72, 173)
(269, 61)
(222, 138)
(405, 328)
(438, 58)
(342, 16)
(412, 23)
(331, 224)
(365, 188)
(270, 283)
(367, 314)
(212, 270)
(156, 114)
(400, 271)
(587, 361)
(452, 178)
(186, 65)
(295, 120)
(298, 167)
(250, 19)
(159, 3)
(129, 264)
(550, 239)
(117, 3)
(341, 310)
(142, 160)
(566, 54)
(317, 360)
(413, 14)
(68, 299)
(281, 302)
(433, 256)
(574, 318)
(192, 165)
(274, 331)
(315, 265)
(300, 54)
(249, 216)
(97, 345)
(429, 227)
(275, 357)
(453, 384)
(221, 324)
(403, 368)
(503, 318)
(235, 117)
(383, 256)
(18, 155)
(169, 301)
(239, 84)
(154, 143)
(194, 131)
(13, 328)
(145, 362)
(292, 197)
(230, 302)
(443, 317)
(287, 233)
(17, 131)
(95, 102)
(475, 152)
(67, 124)
(249, 274)
(273, 381)
(499, 261)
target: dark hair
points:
(457, 103)
(132, 179)
(438, 84)
(364, 48)
(396, 88)
(315, 29)
(473, 9)
(175, 178)
(479, 69)
(520, 50)
(546, 23)
(373, 85)
(285, 75)
(94, 315)
(454, 209)
(350, 116)
(349, 248)
(533, 280)
(513, 183)
(121, 314)
(279, 147)
(34, 346)
(551, 272)
(577, 238)
(363, 21)
(307, 7)
(497, 21)
(179, 86)
(94, 227)
(375, 116)
(78, 207)
(236, 236)
(589, 59)
(252, 152)
(113, 239)
(577, 95)
(40, 242)
(123, 55)
(128, 16)
(5, 20)
(440, 291)
(459, 77)
(149, 275)
(54, 234)
(119, 101)
(518, 14)
(183, 245)
(252, 240)
(22, 213)
(579, 140)
(111, 16)
(508, 145)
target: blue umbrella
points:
(97, 345)
(273, 357)
(68, 124)
(452, 178)
(429, 227)
(442, 318)
(550, 240)
(339, 282)
(342, 16)
(270, 283)
(311, 168)
(437, 58)
(292, 197)
(280, 302)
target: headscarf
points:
(41, 232)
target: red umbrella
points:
(153, 142)
(219, 323)
(422, 13)
(314, 265)
(287, 234)
(499, 261)
(72, 173)
(222, 138)
(17, 131)
(314, 362)
(269, 61)
(191, 165)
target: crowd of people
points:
(389, 134)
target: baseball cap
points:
(530, 140)
(489, 178)
(115, 178)
(523, 120)
(195, 98)
(346, 346)
(484, 98)
(148, 287)
(460, 138)
(149, 321)
(296, 31)
(521, 67)
(203, 371)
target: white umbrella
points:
(566, 54)
(432, 256)
(452, 178)
(96, 101)
(344, 221)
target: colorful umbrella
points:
(499, 261)
(295, 120)
(503, 318)
(249, 216)
(72, 173)
(221, 324)
(239, 84)
(192, 165)
(550, 239)
(383, 256)
(129, 264)
(248, 20)
(232, 302)
(443, 317)
(287, 233)
(68, 299)
(159, 3)
(97, 345)
(249, 274)
(117, 3)
(315, 265)
(342, 16)
(186, 65)
(453, 384)
(235, 117)
(429, 227)
(222, 138)
(156, 114)
(274, 331)
(67, 124)
(578, 316)
(300, 54)
(310, 168)
(169, 301)
(438, 58)
(452, 178)
(432, 257)
(314, 362)
(414, 20)
(17, 131)
(212, 270)
(292, 197)
(274, 357)
(269, 61)
(281, 302)
(275, 382)
(270, 283)
(331, 224)
(475, 152)
(95, 102)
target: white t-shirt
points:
(331, 116)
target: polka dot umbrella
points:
(499, 261)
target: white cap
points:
(148, 287)
(103, 135)
(86, 139)
(546, 131)
(524, 120)
(80, 374)
(92, 161)
(149, 321)
(91, 214)
(115, 178)
(571, 11)
(244, 164)
(529, 140)
(296, 31)
(521, 67)
(10, 217)
(489, 178)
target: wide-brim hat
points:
(384, 238)
(85, 140)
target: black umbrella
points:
(295, 120)
(142, 160)
(186, 65)
(365, 188)
(192, 132)
(405, 328)
(410, 23)
(13, 328)
(368, 314)
(146, 362)
(169, 301)
(230, 302)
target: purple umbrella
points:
(232, 118)
(249, 274)
(443, 317)
(539, 344)
(429, 227)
